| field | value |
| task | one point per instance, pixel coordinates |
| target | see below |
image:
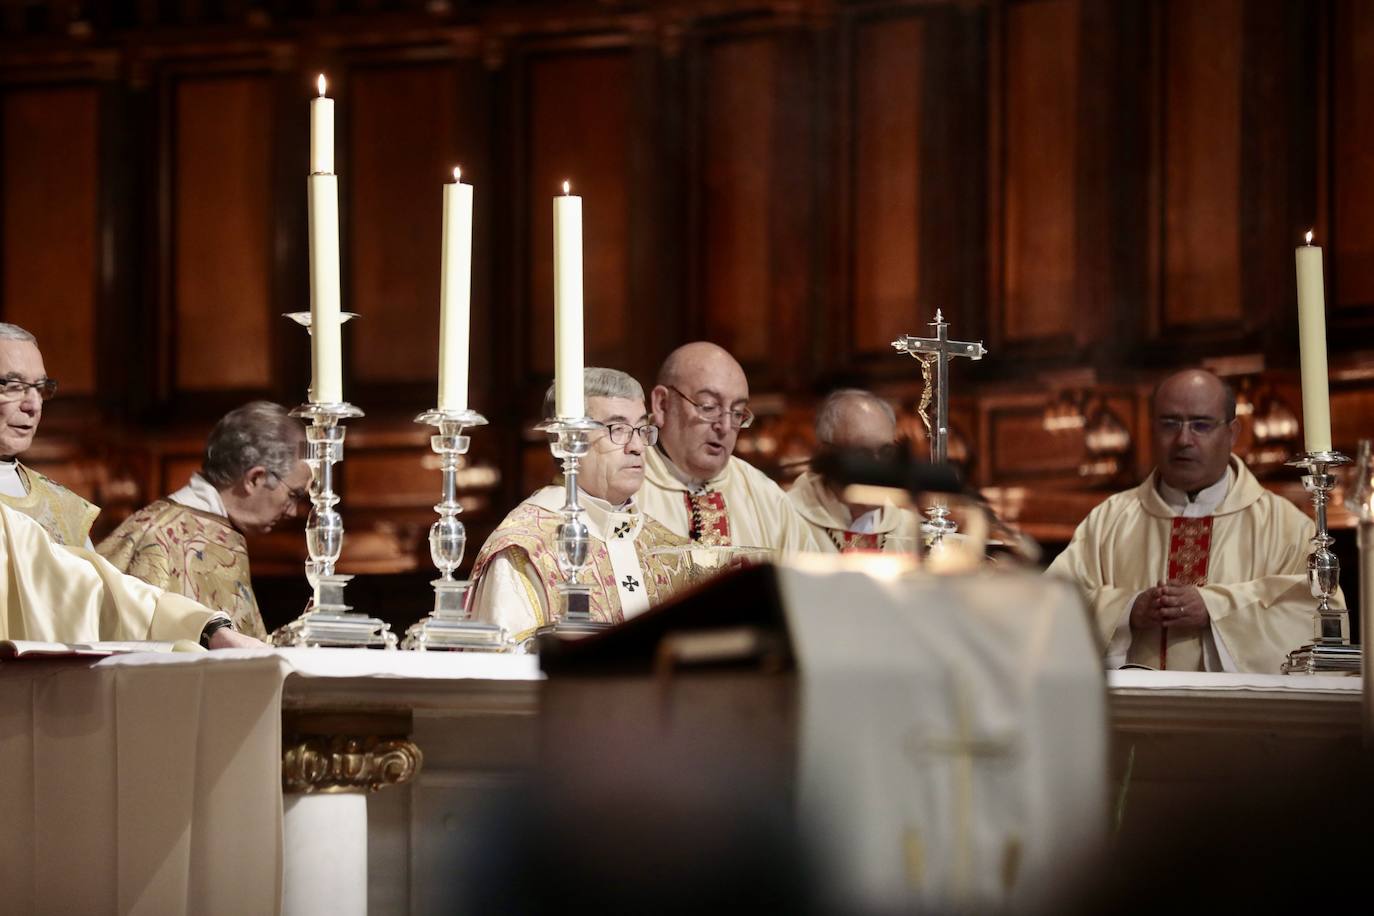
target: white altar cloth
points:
(131, 784)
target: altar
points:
(210, 827)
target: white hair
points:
(599, 383)
(15, 332)
(832, 409)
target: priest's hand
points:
(1182, 606)
(1146, 611)
(229, 638)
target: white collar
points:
(200, 494)
(1202, 505)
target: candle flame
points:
(1309, 236)
(320, 82)
(457, 173)
(567, 187)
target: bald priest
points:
(1199, 568)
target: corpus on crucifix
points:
(934, 354)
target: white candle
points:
(326, 364)
(1316, 404)
(455, 295)
(567, 304)
(321, 131)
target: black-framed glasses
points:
(14, 389)
(710, 411)
(1198, 426)
(299, 494)
(620, 433)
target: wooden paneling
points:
(50, 249)
(1202, 163)
(741, 94)
(1041, 81)
(885, 238)
(579, 131)
(1353, 148)
(402, 148)
(222, 206)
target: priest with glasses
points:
(516, 573)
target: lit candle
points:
(1316, 406)
(567, 304)
(321, 131)
(326, 362)
(455, 295)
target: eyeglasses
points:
(15, 389)
(620, 433)
(299, 494)
(1200, 426)
(710, 411)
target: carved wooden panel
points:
(1352, 265)
(740, 98)
(222, 233)
(49, 258)
(885, 238)
(578, 130)
(1202, 164)
(1041, 83)
(402, 149)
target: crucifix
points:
(934, 354)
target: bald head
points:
(1194, 429)
(696, 379)
(854, 418)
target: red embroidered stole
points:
(1190, 548)
(854, 542)
(708, 521)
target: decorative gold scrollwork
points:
(345, 763)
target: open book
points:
(27, 648)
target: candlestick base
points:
(449, 628)
(575, 614)
(1324, 659)
(329, 622)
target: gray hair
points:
(15, 332)
(257, 434)
(829, 413)
(599, 383)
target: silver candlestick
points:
(934, 353)
(328, 620)
(569, 440)
(1330, 651)
(449, 626)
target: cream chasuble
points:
(887, 528)
(52, 593)
(1248, 559)
(515, 575)
(185, 544)
(739, 507)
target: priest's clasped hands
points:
(1169, 604)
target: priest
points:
(24, 386)
(516, 573)
(192, 542)
(854, 419)
(52, 593)
(1199, 568)
(693, 484)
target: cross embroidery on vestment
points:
(629, 584)
(622, 529)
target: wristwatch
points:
(214, 626)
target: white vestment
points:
(52, 593)
(1250, 556)
(739, 507)
(886, 528)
